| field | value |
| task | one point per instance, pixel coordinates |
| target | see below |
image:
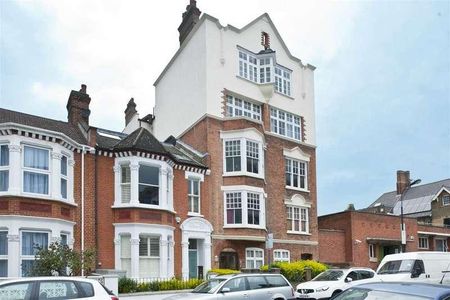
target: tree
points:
(61, 260)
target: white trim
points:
(281, 251)
(199, 176)
(248, 188)
(439, 192)
(254, 258)
(433, 233)
(296, 153)
(238, 237)
(244, 190)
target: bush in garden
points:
(128, 285)
(223, 271)
(295, 271)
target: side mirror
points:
(225, 290)
(416, 272)
(348, 280)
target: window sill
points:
(247, 174)
(192, 214)
(284, 95)
(39, 197)
(298, 232)
(373, 259)
(296, 189)
(243, 226)
(139, 205)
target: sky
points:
(382, 83)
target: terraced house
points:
(227, 159)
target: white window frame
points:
(302, 211)
(283, 78)
(281, 255)
(244, 191)
(423, 242)
(5, 168)
(149, 239)
(30, 257)
(242, 142)
(253, 258)
(125, 184)
(47, 172)
(192, 197)
(289, 168)
(4, 257)
(125, 257)
(149, 184)
(285, 124)
(65, 177)
(237, 107)
(445, 200)
(372, 253)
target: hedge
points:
(223, 271)
(128, 285)
(294, 271)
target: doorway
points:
(193, 258)
(228, 260)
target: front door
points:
(228, 260)
(193, 258)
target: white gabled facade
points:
(208, 62)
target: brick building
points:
(228, 157)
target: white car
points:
(41, 288)
(332, 282)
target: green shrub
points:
(128, 285)
(223, 271)
(295, 271)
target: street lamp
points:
(402, 224)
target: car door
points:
(258, 288)
(238, 289)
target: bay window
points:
(295, 174)
(125, 253)
(149, 256)
(148, 185)
(243, 157)
(254, 258)
(285, 124)
(36, 170)
(32, 242)
(4, 168)
(194, 195)
(244, 208)
(125, 183)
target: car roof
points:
(46, 278)
(418, 289)
(244, 274)
(351, 269)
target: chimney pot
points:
(83, 89)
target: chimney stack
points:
(403, 181)
(130, 111)
(189, 18)
(78, 107)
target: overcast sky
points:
(382, 79)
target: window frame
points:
(254, 258)
(47, 172)
(149, 239)
(253, 110)
(244, 207)
(280, 252)
(289, 169)
(290, 215)
(373, 253)
(445, 200)
(283, 77)
(4, 257)
(5, 168)
(243, 156)
(422, 244)
(122, 166)
(64, 177)
(28, 257)
(281, 121)
(141, 163)
(192, 196)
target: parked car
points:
(56, 288)
(333, 281)
(395, 290)
(242, 286)
(415, 266)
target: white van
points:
(415, 266)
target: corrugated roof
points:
(71, 131)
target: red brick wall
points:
(25, 206)
(332, 246)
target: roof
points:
(416, 199)
(71, 131)
(143, 140)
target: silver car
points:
(242, 286)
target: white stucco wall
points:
(210, 59)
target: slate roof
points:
(416, 200)
(142, 140)
(73, 132)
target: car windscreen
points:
(368, 294)
(329, 275)
(209, 286)
(397, 266)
